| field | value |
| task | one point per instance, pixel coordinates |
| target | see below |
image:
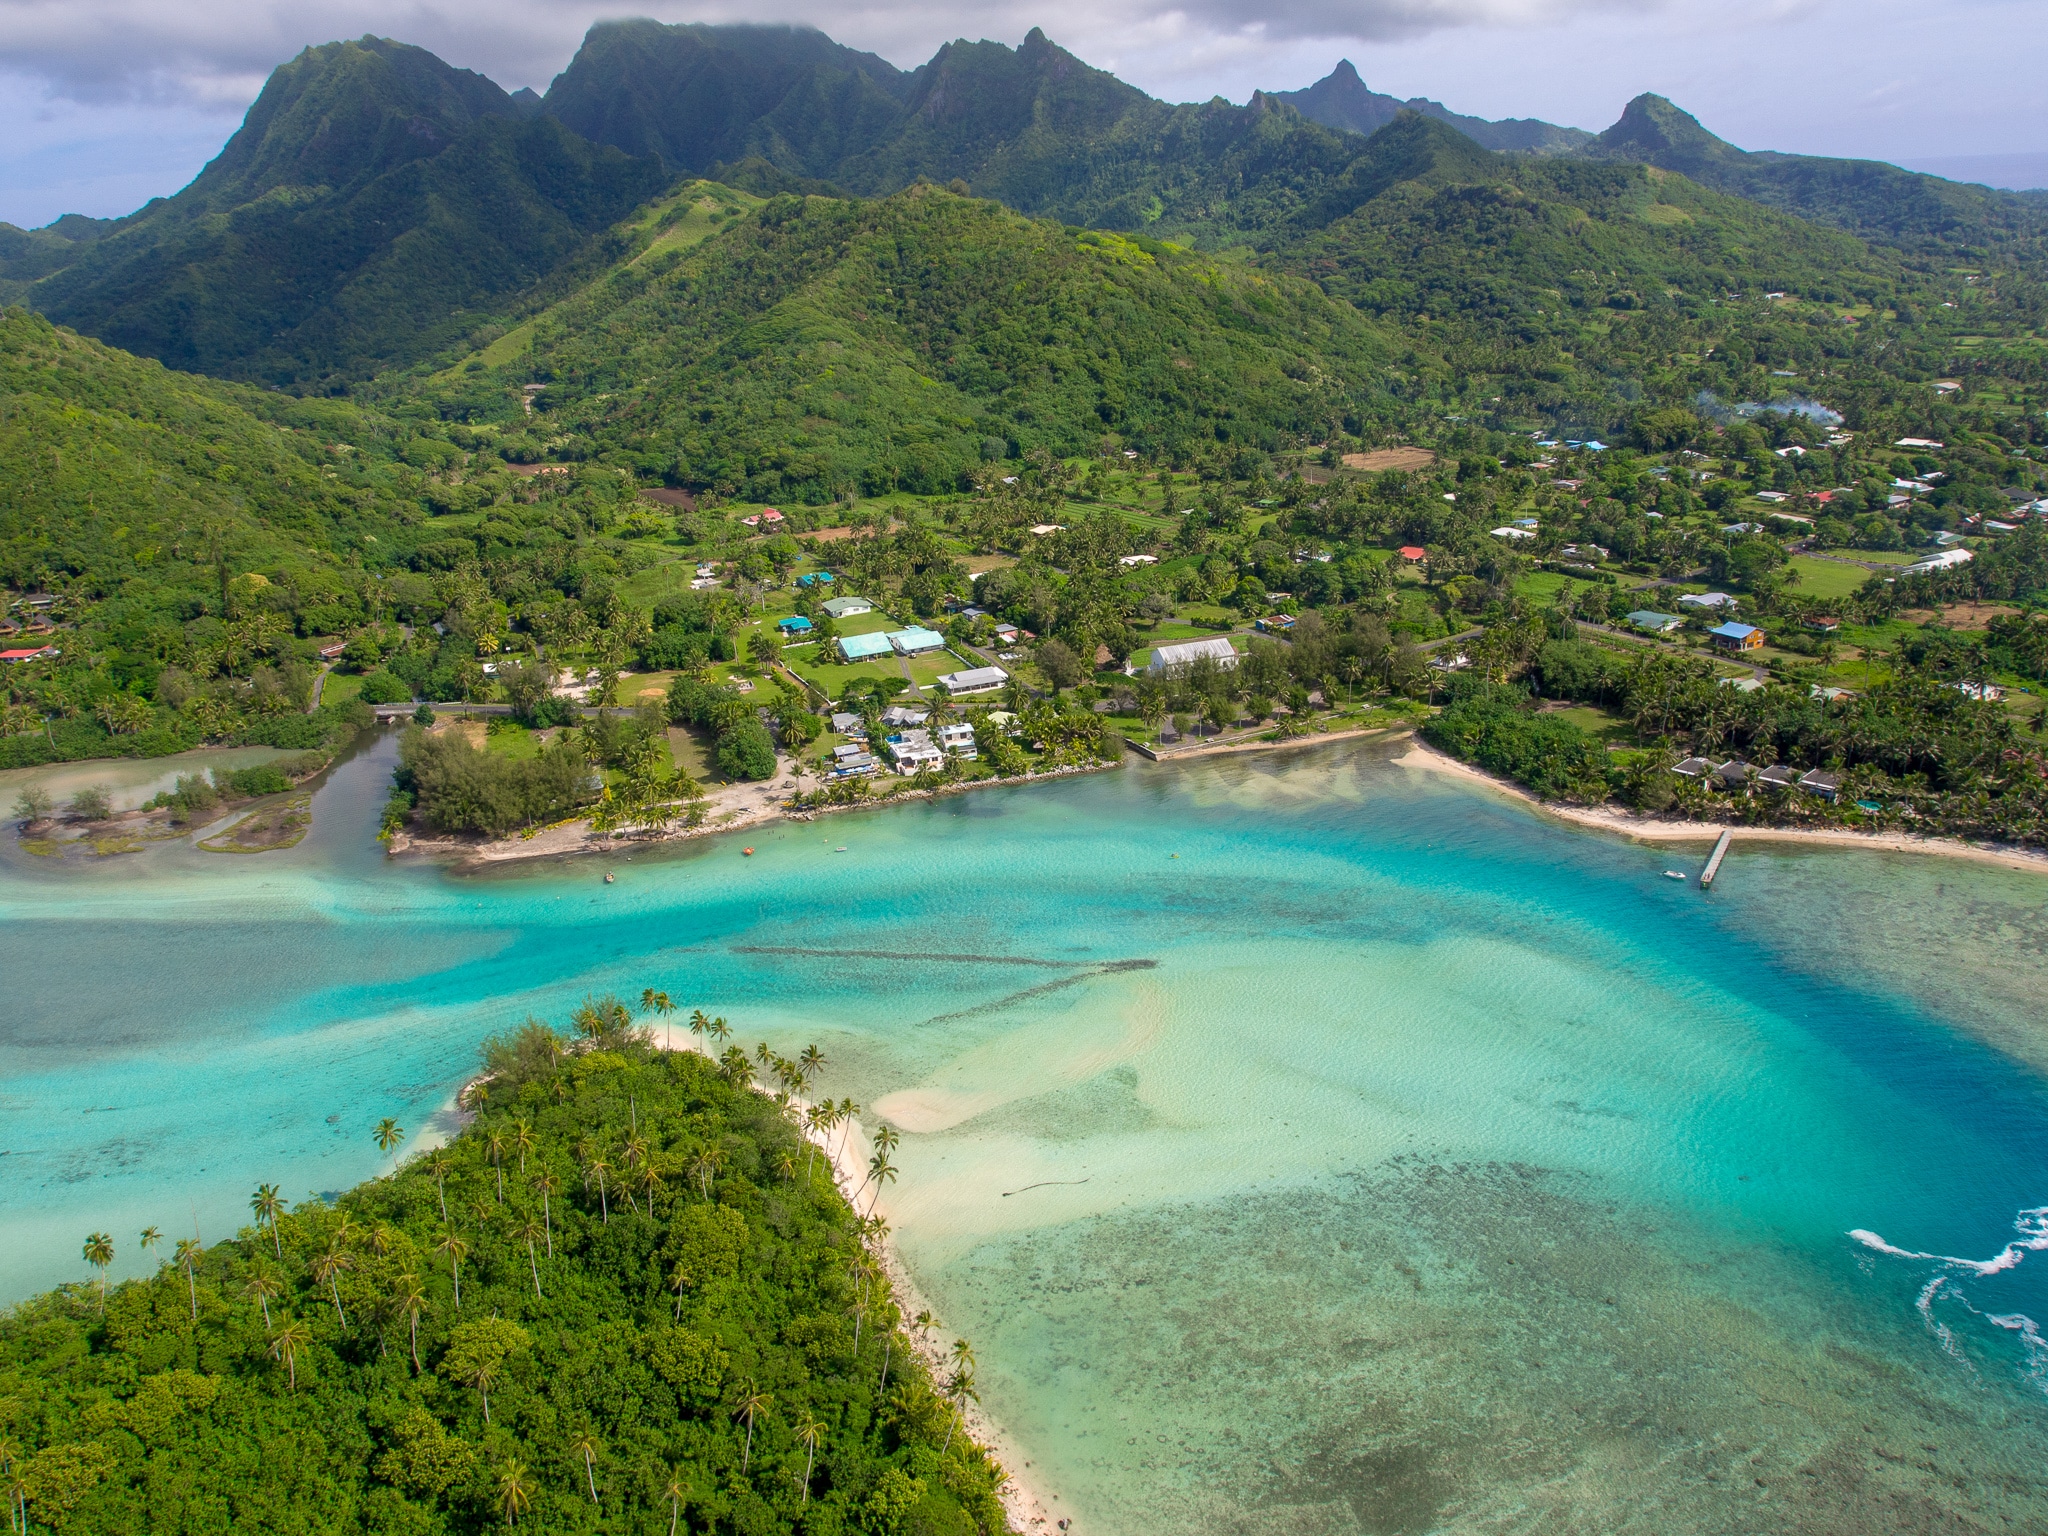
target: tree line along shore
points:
(629, 1295)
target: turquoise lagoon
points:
(1306, 1142)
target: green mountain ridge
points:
(1870, 198)
(379, 208)
(1342, 100)
(373, 205)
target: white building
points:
(847, 607)
(1941, 560)
(957, 738)
(912, 750)
(974, 680)
(1187, 652)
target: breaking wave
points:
(2032, 1226)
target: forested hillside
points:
(823, 345)
(628, 1298)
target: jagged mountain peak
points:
(1654, 124)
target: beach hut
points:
(1692, 768)
(1734, 774)
(1779, 777)
(1826, 785)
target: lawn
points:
(340, 688)
(1544, 586)
(1826, 581)
(1597, 722)
(653, 584)
(834, 676)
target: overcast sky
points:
(106, 103)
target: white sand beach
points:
(1651, 829)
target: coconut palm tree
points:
(583, 1443)
(292, 1339)
(327, 1271)
(17, 1501)
(650, 1180)
(529, 1232)
(849, 1117)
(522, 1142)
(752, 1402)
(718, 1029)
(959, 1392)
(150, 1238)
(263, 1287)
(268, 1207)
(495, 1144)
(389, 1134)
(808, 1430)
(481, 1375)
(600, 1167)
(99, 1253)
(698, 1022)
(962, 1354)
(886, 1139)
(187, 1258)
(674, 1493)
(546, 1182)
(812, 1060)
(738, 1071)
(439, 1165)
(515, 1494)
(881, 1171)
(703, 1167)
(450, 1242)
(409, 1298)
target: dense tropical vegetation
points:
(628, 1297)
(1152, 423)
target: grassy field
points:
(340, 687)
(1825, 580)
(1598, 722)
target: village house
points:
(1736, 637)
(974, 680)
(847, 607)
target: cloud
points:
(1860, 77)
(214, 54)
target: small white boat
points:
(1672, 874)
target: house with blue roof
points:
(795, 627)
(1736, 637)
(916, 640)
(865, 647)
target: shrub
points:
(745, 752)
(384, 686)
